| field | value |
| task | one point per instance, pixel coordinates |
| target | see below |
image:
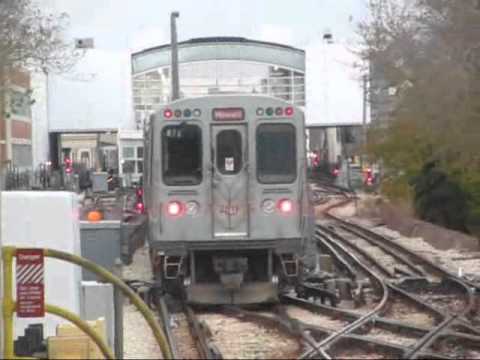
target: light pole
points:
(174, 49)
(364, 120)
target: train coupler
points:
(231, 271)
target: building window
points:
(132, 159)
(19, 103)
(128, 152)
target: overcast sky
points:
(120, 24)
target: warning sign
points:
(229, 164)
(30, 285)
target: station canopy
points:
(225, 65)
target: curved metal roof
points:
(220, 48)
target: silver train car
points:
(229, 211)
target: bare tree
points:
(31, 39)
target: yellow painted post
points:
(8, 306)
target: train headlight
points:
(268, 206)
(192, 208)
(174, 208)
(197, 112)
(285, 206)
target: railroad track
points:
(378, 302)
(230, 332)
(412, 287)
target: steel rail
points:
(405, 295)
(201, 335)
(162, 308)
(360, 321)
(387, 250)
(428, 339)
(288, 324)
(417, 301)
(430, 336)
(421, 258)
(468, 290)
(383, 269)
(383, 322)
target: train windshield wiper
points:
(182, 182)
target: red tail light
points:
(285, 206)
(175, 208)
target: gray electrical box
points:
(99, 182)
(100, 243)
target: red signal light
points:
(336, 172)
(168, 113)
(289, 111)
(140, 207)
(285, 206)
(175, 208)
(139, 192)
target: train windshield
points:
(276, 154)
(182, 155)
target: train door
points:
(229, 181)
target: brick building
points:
(15, 120)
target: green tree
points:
(429, 51)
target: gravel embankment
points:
(139, 342)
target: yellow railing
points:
(9, 305)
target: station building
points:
(227, 65)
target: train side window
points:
(182, 155)
(229, 152)
(276, 154)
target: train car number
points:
(229, 210)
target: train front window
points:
(276, 154)
(182, 155)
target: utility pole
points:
(174, 49)
(364, 120)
